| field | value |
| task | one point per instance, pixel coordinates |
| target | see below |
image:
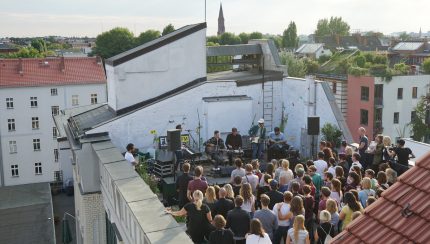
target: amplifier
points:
(163, 169)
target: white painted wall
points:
(419, 149)
(403, 106)
(157, 72)
(24, 134)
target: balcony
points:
(379, 102)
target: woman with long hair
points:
(270, 170)
(336, 191)
(352, 181)
(298, 234)
(386, 156)
(340, 175)
(210, 197)
(230, 193)
(248, 198)
(296, 208)
(391, 176)
(257, 234)
(331, 207)
(327, 154)
(351, 206)
(199, 218)
(286, 171)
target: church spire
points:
(221, 27)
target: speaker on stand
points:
(313, 130)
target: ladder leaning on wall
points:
(268, 105)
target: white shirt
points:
(247, 205)
(252, 180)
(288, 174)
(355, 164)
(332, 170)
(285, 208)
(129, 157)
(256, 239)
(321, 165)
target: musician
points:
(233, 142)
(258, 134)
(277, 144)
(213, 146)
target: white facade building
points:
(31, 92)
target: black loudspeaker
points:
(226, 170)
(174, 140)
(313, 126)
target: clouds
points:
(91, 17)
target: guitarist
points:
(277, 144)
(213, 147)
(258, 134)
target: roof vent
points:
(406, 212)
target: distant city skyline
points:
(28, 18)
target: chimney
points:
(62, 65)
(20, 68)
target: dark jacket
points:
(221, 236)
(181, 188)
(275, 197)
(222, 206)
(254, 130)
(238, 221)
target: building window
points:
(54, 92)
(38, 168)
(55, 110)
(12, 147)
(399, 93)
(414, 92)
(36, 144)
(334, 87)
(54, 132)
(55, 155)
(11, 124)
(93, 98)
(75, 100)
(364, 93)
(14, 169)
(396, 118)
(33, 102)
(364, 117)
(9, 103)
(58, 177)
(35, 123)
(413, 115)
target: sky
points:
(27, 18)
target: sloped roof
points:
(31, 72)
(309, 48)
(363, 43)
(401, 215)
(407, 46)
(155, 44)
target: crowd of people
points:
(310, 202)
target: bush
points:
(332, 134)
(323, 58)
(426, 66)
(357, 71)
(360, 61)
(402, 68)
(150, 180)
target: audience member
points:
(267, 218)
(321, 165)
(283, 213)
(298, 234)
(325, 228)
(238, 171)
(286, 171)
(230, 193)
(250, 178)
(210, 197)
(248, 199)
(366, 192)
(257, 234)
(182, 185)
(351, 206)
(274, 195)
(237, 184)
(197, 184)
(221, 235)
(238, 221)
(331, 207)
(223, 205)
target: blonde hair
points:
(285, 164)
(299, 224)
(229, 189)
(325, 216)
(298, 166)
(387, 141)
(331, 206)
(366, 183)
(198, 199)
(210, 194)
(348, 151)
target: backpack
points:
(328, 237)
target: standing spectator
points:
(283, 184)
(250, 178)
(298, 234)
(366, 192)
(356, 161)
(343, 163)
(321, 165)
(286, 171)
(370, 200)
(402, 154)
(364, 143)
(270, 170)
(317, 180)
(256, 169)
(369, 173)
(238, 171)
(282, 211)
(278, 166)
(223, 205)
(325, 228)
(296, 208)
(267, 218)
(182, 185)
(308, 182)
(377, 157)
(323, 144)
(238, 221)
(129, 155)
(197, 184)
(327, 153)
(331, 207)
(221, 235)
(340, 175)
(351, 205)
(309, 204)
(386, 155)
(332, 166)
(257, 234)
(248, 199)
(295, 188)
(349, 153)
(263, 189)
(274, 195)
(300, 172)
(230, 192)
(336, 191)
(325, 194)
(352, 182)
(210, 197)
(328, 177)
(382, 180)
(391, 176)
(199, 217)
(237, 184)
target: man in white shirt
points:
(320, 164)
(282, 211)
(129, 155)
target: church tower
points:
(221, 27)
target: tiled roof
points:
(401, 215)
(309, 48)
(407, 46)
(6, 46)
(50, 71)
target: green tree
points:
(295, 67)
(39, 44)
(426, 65)
(255, 35)
(332, 134)
(289, 37)
(244, 37)
(168, 29)
(26, 52)
(323, 58)
(360, 61)
(312, 66)
(334, 26)
(419, 128)
(147, 36)
(228, 38)
(402, 68)
(404, 36)
(113, 42)
(214, 39)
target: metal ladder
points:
(268, 105)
